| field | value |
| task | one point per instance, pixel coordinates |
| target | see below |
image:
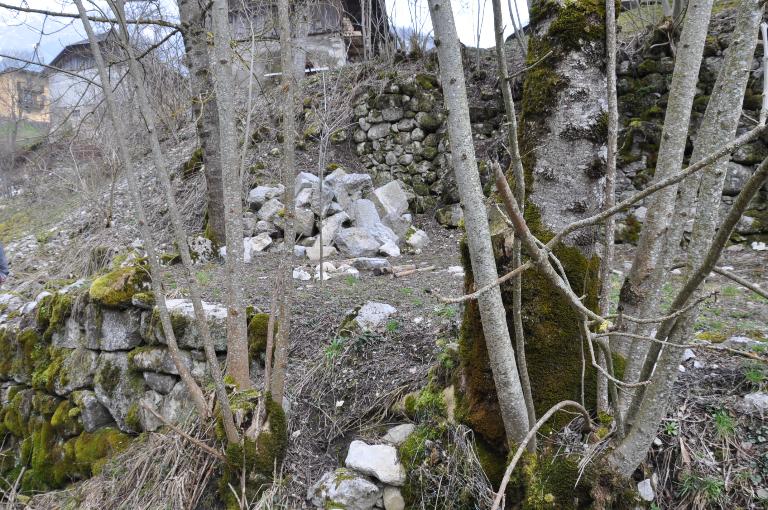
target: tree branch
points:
(97, 19)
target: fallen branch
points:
(741, 281)
(531, 434)
(409, 272)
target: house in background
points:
(24, 113)
(328, 34)
(73, 78)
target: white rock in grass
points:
(300, 274)
(399, 433)
(688, 354)
(393, 500)
(378, 460)
(645, 489)
(758, 400)
(373, 315)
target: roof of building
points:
(76, 46)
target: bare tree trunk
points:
(205, 112)
(720, 123)
(224, 85)
(519, 176)
(492, 313)
(625, 458)
(289, 85)
(133, 187)
(639, 294)
(610, 187)
(180, 235)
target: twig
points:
(478, 292)
(738, 279)
(412, 271)
(529, 436)
(183, 434)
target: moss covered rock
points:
(116, 288)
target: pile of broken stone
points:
(342, 214)
(371, 479)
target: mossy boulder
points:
(116, 288)
(258, 328)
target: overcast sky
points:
(21, 32)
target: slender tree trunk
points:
(121, 135)
(640, 292)
(180, 235)
(720, 122)
(492, 313)
(289, 85)
(224, 85)
(205, 111)
(625, 458)
(519, 177)
(606, 265)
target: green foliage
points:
(725, 424)
(194, 164)
(334, 348)
(671, 428)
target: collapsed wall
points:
(78, 367)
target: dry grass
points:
(161, 471)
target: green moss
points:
(44, 404)
(132, 417)
(258, 327)
(29, 347)
(108, 377)
(194, 164)
(259, 457)
(116, 288)
(551, 483)
(48, 369)
(43, 313)
(144, 299)
(65, 419)
(92, 449)
(426, 81)
(578, 22)
(60, 309)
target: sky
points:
(21, 32)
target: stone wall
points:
(401, 134)
(77, 366)
(643, 88)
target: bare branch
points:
(96, 19)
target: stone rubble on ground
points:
(372, 315)
(344, 489)
(357, 220)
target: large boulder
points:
(364, 213)
(390, 199)
(331, 226)
(379, 461)
(357, 242)
(344, 489)
(349, 187)
(735, 178)
(271, 211)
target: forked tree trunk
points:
(205, 112)
(640, 292)
(492, 313)
(720, 123)
(224, 85)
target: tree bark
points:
(205, 112)
(640, 291)
(289, 85)
(519, 177)
(224, 86)
(492, 313)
